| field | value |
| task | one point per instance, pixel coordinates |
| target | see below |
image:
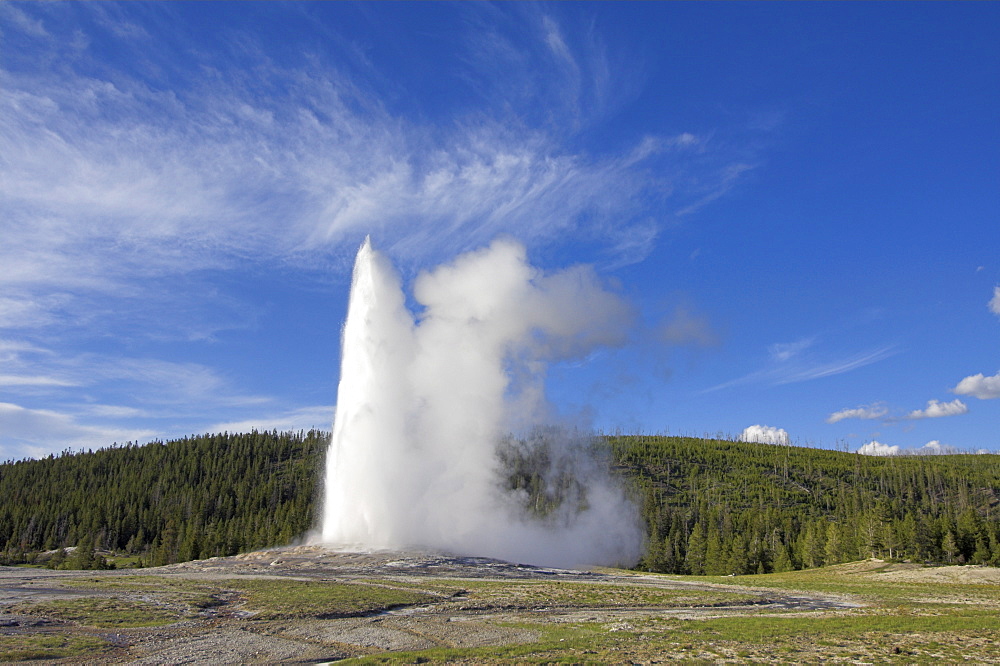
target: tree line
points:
(710, 506)
(185, 499)
(724, 507)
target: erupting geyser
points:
(424, 402)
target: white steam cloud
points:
(763, 434)
(424, 403)
(688, 328)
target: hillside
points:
(721, 507)
(711, 506)
(170, 501)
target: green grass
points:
(862, 580)
(789, 639)
(270, 598)
(101, 612)
(275, 599)
(26, 647)
(903, 622)
(196, 595)
(124, 561)
(549, 594)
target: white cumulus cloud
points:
(874, 411)
(995, 301)
(874, 448)
(931, 448)
(763, 434)
(935, 448)
(979, 386)
(936, 409)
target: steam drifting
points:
(424, 403)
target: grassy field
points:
(891, 613)
(908, 614)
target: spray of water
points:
(422, 453)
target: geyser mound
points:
(421, 454)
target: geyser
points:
(426, 403)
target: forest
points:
(709, 506)
(185, 499)
(724, 507)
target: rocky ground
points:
(36, 605)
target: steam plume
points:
(424, 403)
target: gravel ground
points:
(224, 634)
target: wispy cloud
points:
(868, 412)
(148, 384)
(994, 303)
(110, 411)
(838, 367)
(108, 181)
(128, 184)
(318, 417)
(33, 380)
(28, 24)
(93, 400)
(32, 432)
(785, 351)
(793, 369)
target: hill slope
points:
(173, 501)
(711, 506)
(719, 507)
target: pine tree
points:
(695, 558)
(782, 561)
(83, 556)
(833, 549)
(949, 547)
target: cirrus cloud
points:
(31, 432)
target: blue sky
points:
(801, 201)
